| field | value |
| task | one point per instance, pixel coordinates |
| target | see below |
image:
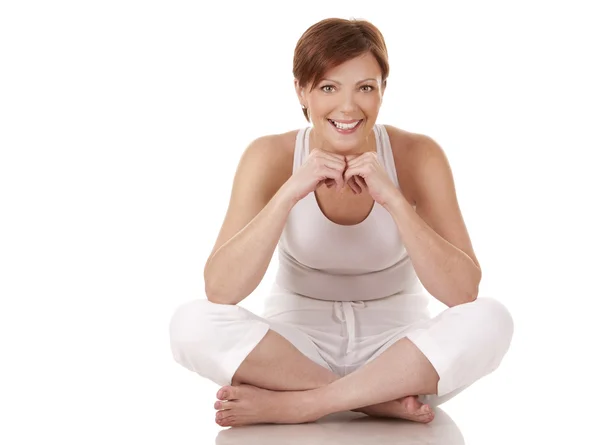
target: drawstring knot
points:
(346, 308)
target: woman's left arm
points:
(435, 235)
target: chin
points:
(346, 144)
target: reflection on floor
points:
(348, 428)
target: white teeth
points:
(345, 126)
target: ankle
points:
(312, 403)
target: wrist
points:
(285, 198)
(397, 203)
(394, 200)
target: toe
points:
(234, 392)
(223, 404)
(430, 417)
(427, 416)
(220, 415)
(227, 421)
(411, 404)
(424, 409)
(225, 393)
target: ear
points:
(299, 91)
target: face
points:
(350, 92)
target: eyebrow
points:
(360, 81)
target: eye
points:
(371, 88)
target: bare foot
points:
(247, 405)
(409, 408)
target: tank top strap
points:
(301, 148)
(386, 155)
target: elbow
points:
(218, 299)
(465, 297)
(217, 296)
(211, 289)
(470, 295)
(212, 296)
(219, 288)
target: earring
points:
(303, 107)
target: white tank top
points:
(324, 260)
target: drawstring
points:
(347, 308)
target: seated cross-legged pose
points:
(367, 227)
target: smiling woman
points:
(340, 76)
(346, 324)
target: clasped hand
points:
(365, 172)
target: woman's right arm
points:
(258, 210)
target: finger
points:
(354, 186)
(333, 175)
(330, 156)
(353, 160)
(356, 162)
(350, 172)
(340, 182)
(350, 158)
(326, 182)
(361, 182)
(336, 165)
(351, 181)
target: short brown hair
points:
(330, 43)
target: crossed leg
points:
(279, 377)
(276, 365)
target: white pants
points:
(463, 343)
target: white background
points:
(121, 125)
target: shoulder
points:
(411, 151)
(425, 159)
(270, 156)
(409, 146)
(286, 141)
(276, 149)
(270, 148)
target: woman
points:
(366, 220)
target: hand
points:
(321, 167)
(366, 173)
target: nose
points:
(348, 104)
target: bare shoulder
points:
(273, 154)
(273, 149)
(409, 149)
(408, 146)
(287, 142)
